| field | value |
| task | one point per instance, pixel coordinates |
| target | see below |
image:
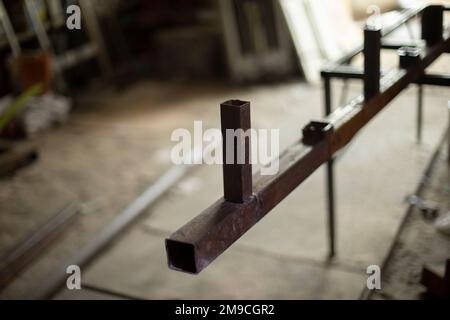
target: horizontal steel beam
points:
(442, 80)
(350, 72)
(395, 45)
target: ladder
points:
(96, 48)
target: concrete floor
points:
(418, 243)
(118, 143)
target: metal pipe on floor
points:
(56, 279)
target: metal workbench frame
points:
(200, 241)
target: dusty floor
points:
(118, 143)
(418, 242)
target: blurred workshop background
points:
(86, 118)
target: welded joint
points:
(372, 61)
(409, 57)
(316, 131)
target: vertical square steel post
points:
(237, 168)
(433, 24)
(372, 48)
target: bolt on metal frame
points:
(194, 246)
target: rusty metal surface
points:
(237, 179)
(199, 242)
(350, 119)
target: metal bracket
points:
(316, 131)
(409, 56)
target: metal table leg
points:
(330, 179)
(419, 113)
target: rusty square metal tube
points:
(204, 238)
(372, 61)
(433, 24)
(236, 137)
